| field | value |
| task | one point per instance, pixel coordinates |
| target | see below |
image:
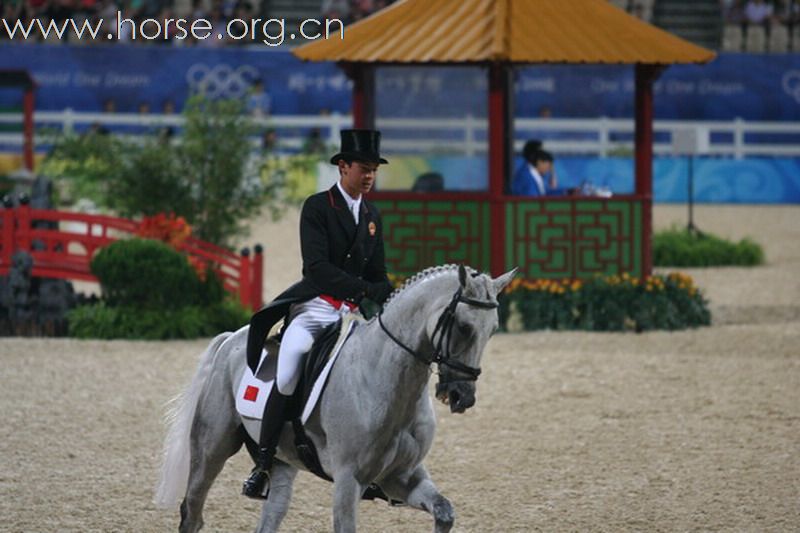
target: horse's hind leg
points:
(418, 491)
(280, 494)
(214, 438)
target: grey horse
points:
(375, 422)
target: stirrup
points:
(257, 485)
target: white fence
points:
(462, 136)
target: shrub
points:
(612, 303)
(151, 291)
(678, 247)
(146, 274)
(101, 321)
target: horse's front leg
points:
(280, 494)
(347, 493)
(418, 491)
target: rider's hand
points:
(378, 292)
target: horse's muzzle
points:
(459, 395)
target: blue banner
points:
(84, 78)
(750, 86)
(716, 180)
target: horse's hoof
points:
(443, 515)
(257, 485)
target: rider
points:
(341, 243)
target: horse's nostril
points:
(455, 398)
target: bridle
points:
(444, 330)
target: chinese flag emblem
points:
(251, 393)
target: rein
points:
(444, 329)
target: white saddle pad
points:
(253, 392)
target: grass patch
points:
(681, 248)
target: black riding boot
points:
(257, 485)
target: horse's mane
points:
(422, 275)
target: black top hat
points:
(360, 145)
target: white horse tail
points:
(179, 418)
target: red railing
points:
(66, 249)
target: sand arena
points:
(686, 431)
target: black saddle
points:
(315, 361)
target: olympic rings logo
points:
(791, 84)
(221, 81)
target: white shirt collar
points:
(352, 204)
(537, 178)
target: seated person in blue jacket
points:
(536, 176)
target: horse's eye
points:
(464, 329)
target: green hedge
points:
(678, 247)
(150, 291)
(614, 303)
(101, 321)
(145, 274)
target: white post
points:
(469, 134)
(738, 138)
(69, 121)
(604, 136)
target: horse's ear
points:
(500, 282)
(462, 276)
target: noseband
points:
(444, 330)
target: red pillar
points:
(645, 76)
(27, 128)
(363, 77)
(499, 160)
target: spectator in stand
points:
(258, 100)
(126, 30)
(314, 144)
(791, 13)
(218, 24)
(243, 11)
(636, 9)
(198, 10)
(269, 141)
(361, 9)
(166, 132)
(732, 11)
(757, 12)
(107, 10)
(336, 9)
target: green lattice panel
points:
(419, 234)
(574, 238)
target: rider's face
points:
(358, 177)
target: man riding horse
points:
(343, 262)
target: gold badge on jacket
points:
(372, 229)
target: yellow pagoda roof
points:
(515, 31)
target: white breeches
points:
(308, 319)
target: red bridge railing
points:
(65, 247)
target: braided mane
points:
(428, 273)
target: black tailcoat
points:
(340, 259)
